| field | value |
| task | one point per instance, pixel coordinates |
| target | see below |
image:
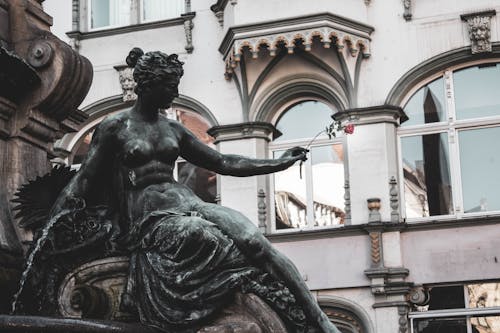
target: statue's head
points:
(155, 71)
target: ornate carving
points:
(127, 83)
(376, 248)
(326, 28)
(394, 198)
(188, 30)
(220, 17)
(479, 27)
(407, 10)
(403, 319)
(262, 210)
(419, 296)
(347, 203)
(374, 207)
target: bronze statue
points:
(185, 254)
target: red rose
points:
(349, 129)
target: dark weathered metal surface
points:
(187, 257)
(34, 324)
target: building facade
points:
(394, 227)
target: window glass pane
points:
(426, 175)
(489, 324)
(427, 105)
(440, 325)
(161, 9)
(484, 295)
(480, 165)
(110, 13)
(304, 120)
(476, 91)
(290, 196)
(328, 184)
(201, 181)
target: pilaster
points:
(247, 195)
(372, 157)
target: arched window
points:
(449, 145)
(201, 181)
(312, 194)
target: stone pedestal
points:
(42, 82)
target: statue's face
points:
(163, 93)
(480, 32)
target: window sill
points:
(364, 229)
(103, 32)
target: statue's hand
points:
(295, 154)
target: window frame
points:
(467, 312)
(321, 141)
(452, 127)
(135, 18)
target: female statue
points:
(185, 253)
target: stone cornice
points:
(372, 115)
(79, 35)
(485, 13)
(293, 32)
(261, 130)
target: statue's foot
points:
(232, 328)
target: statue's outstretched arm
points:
(95, 162)
(196, 152)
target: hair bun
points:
(134, 56)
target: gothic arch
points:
(433, 67)
(294, 89)
(346, 314)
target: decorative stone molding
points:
(407, 10)
(260, 130)
(372, 115)
(403, 318)
(394, 197)
(347, 203)
(479, 27)
(218, 9)
(262, 210)
(127, 82)
(188, 30)
(389, 280)
(376, 248)
(419, 296)
(291, 33)
(373, 205)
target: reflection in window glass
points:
(484, 295)
(486, 324)
(201, 181)
(440, 325)
(480, 165)
(161, 9)
(328, 174)
(427, 105)
(106, 13)
(304, 120)
(290, 197)
(426, 175)
(476, 91)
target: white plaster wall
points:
(61, 13)
(370, 150)
(449, 255)
(330, 263)
(398, 45)
(263, 10)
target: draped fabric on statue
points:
(183, 269)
